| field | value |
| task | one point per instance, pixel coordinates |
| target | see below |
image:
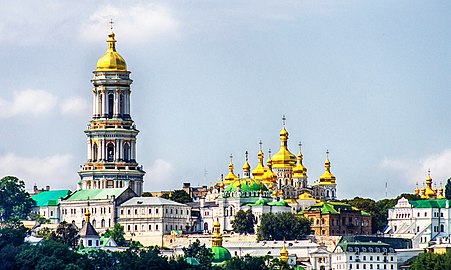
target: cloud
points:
(28, 102)
(135, 23)
(56, 170)
(159, 175)
(74, 106)
(416, 170)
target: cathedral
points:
(285, 176)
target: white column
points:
(104, 103)
(127, 102)
(116, 103)
(94, 103)
(89, 150)
(117, 146)
(133, 150)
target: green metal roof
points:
(50, 198)
(333, 208)
(95, 194)
(247, 184)
(430, 203)
(346, 245)
(259, 202)
(220, 254)
(278, 203)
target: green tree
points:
(179, 196)
(282, 226)
(12, 234)
(432, 261)
(203, 254)
(15, 202)
(243, 222)
(448, 189)
(117, 233)
(67, 233)
(247, 262)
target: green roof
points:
(49, 198)
(95, 194)
(259, 202)
(430, 203)
(192, 261)
(220, 254)
(278, 203)
(333, 208)
(247, 184)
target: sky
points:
(367, 80)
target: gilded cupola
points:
(111, 60)
(327, 176)
(300, 171)
(260, 170)
(269, 178)
(230, 177)
(284, 158)
(246, 167)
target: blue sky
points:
(368, 80)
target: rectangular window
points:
(89, 243)
(156, 227)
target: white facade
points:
(153, 216)
(361, 255)
(422, 221)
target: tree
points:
(448, 189)
(282, 226)
(179, 196)
(15, 202)
(146, 194)
(117, 233)
(247, 262)
(432, 261)
(203, 254)
(67, 233)
(243, 222)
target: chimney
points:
(47, 188)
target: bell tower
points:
(111, 132)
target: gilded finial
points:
(246, 153)
(283, 120)
(300, 147)
(231, 158)
(269, 152)
(260, 143)
(327, 153)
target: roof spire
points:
(283, 120)
(246, 153)
(260, 143)
(300, 146)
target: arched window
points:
(205, 226)
(110, 152)
(102, 223)
(95, 152)
(442, 227)
(110, 105)
(94, 223)
(126, 152)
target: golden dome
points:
(269, 176)
(284, 158)
(440, 192)
(429, 192)
(284, 254)
(111, 60)
(327, 176)
(246, 166)
(258, 172)
(299, 171)
(417, 190)
(230, 177)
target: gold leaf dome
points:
(284, 158)
(111, 60)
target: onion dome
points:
(417, 190)
(220, 254)
(284, 254)
(430, 193)
(300, 171)
(327, 177)
(423, 192)
(284, 158)
(230, 177)
(111, 60)
(269, 177)
(246, 168)
(258, 172)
